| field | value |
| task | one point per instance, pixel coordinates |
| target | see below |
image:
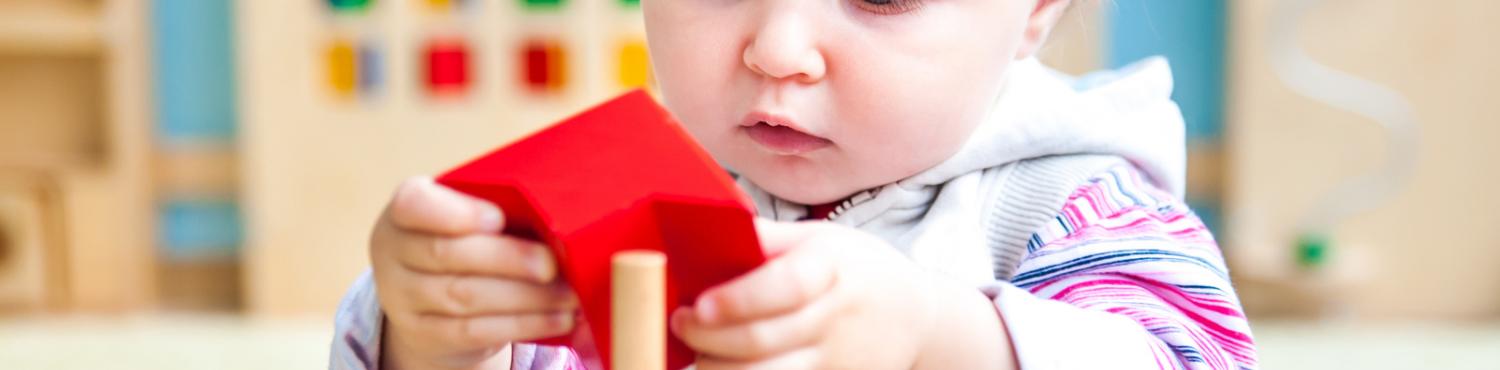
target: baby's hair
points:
(1067, 47)
(1082, 12)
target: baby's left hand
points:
(831, 297)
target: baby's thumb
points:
(423, 205)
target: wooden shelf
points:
(50, 30)
(51, 112)
(75, 106)
(200, 171)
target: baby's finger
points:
(780, 286)
(424, 206)
(462, 295)
(777, 237)
(756, 339)
(482, 254)
(458, 332)
(807, 358)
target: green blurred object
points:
(542, 4)
(349, 5)
(630, 3)
(1312, 250)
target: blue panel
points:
(1190, 33)
(194, 70)
(369, 67)
(1211, 212)
(195, 228)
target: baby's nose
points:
(785, 48)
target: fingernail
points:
(489, 218)
(674, 323)
(707, 310)
(566, 291)
(541, 267)
(565, 319)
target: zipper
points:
(856, 199)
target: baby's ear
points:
(1039, 25)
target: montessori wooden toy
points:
(621, 176)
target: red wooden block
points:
(620, 176)
(447, 66)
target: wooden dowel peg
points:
(638, 333)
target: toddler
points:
(930, 195)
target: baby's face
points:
(814, 100)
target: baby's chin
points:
(812, 192)
(811, 179)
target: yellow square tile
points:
(340, 63)
(633, 66)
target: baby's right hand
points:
(454, 290)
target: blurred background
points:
(189, 184)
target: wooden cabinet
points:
(74, 135)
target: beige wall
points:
(1434, 250)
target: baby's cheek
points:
(910, 147)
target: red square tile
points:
(543, 65)
(447, 66)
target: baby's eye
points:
(888, 7)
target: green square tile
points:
(543, 4)
(349, 5)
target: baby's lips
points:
(785, 140)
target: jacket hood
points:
(1126, 112)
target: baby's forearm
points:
(969, 334)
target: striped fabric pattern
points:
(356, 334)
(538, 357)
(1122, 246)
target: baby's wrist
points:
(941, 303)
(966, 332)
(398, 353)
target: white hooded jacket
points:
(946, 218)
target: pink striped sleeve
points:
(1125, 249)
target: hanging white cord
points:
(1341, 90)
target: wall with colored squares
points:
(342, 99)
(541, 38)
